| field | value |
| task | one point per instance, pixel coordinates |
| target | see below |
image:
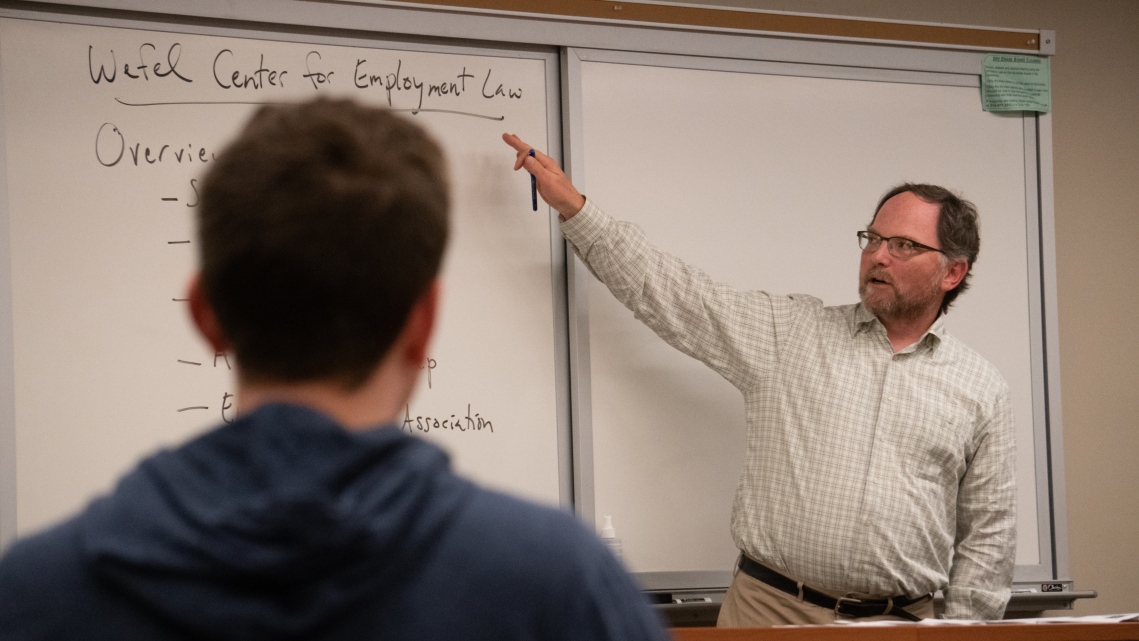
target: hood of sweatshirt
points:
(274, 524)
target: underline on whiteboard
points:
(258, 102)
(449, 111)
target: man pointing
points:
(880, 462)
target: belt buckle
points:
(838, 605)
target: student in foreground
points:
(321, 230)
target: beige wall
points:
(1095, 81)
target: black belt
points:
(846, 606)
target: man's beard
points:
(901, 305)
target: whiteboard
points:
(760, 173)
(106, 131)
(95, 334)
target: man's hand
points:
(553, 186)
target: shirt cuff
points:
(972, 603)
(587, 225)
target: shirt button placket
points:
(885, 410)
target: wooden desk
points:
(994, 632)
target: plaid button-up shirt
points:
(867, 471)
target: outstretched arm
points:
(732, 332)
(553, 185)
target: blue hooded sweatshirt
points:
(282, 525)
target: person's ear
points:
(420, 326)
(954, 275)
(203, 315)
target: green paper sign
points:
(1011, 82)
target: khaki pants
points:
(751, 603)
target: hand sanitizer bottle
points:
(609, 537)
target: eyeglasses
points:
(898, 247)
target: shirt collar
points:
(863, 320)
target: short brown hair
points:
(319, 227)
(958, 228)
